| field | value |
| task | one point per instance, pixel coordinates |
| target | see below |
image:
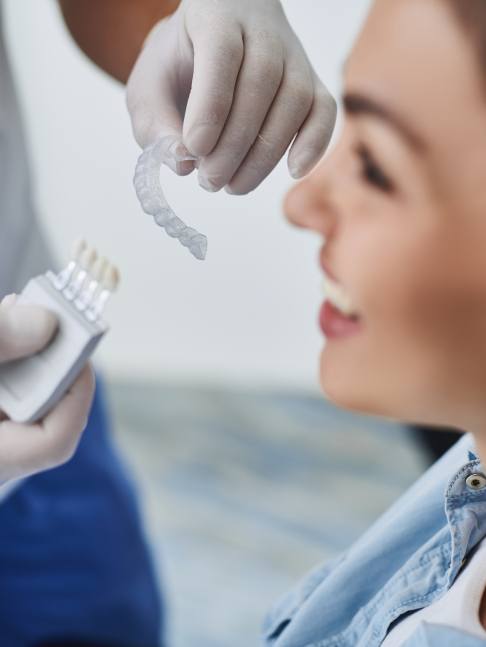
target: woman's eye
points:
(371, 171)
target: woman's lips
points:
(335, 325)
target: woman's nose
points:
(307, 204)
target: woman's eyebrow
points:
(359, 104)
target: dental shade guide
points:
(31, 386)
(165, 150)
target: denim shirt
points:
(408, 559)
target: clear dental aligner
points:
(153, 202)
(87, 281)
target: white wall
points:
(248, 313)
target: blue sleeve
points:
(432, 635)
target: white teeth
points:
(337, 296)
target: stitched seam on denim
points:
(460, 500)
(405, 605)
(465, 468)
(336, 640)
(457, 537)
(442, 551)
(457, 541)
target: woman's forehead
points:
(412, 56)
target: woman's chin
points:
(348, 388)
(342, 386)
(372, 393)
(354, 402)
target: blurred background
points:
(247, 476)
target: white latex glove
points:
(231, 79)
(26, 449)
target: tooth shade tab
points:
(337, 296)
(63, 278)
(87, 281)
(91, 284)
(108, 284)
(88, 258)
(110, 278)
(78, 248)
(99, 268)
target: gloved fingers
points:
(315, 134)
(258, 83)
(9, 300)
(24, 329)
(27, 449)
(153, 105)
(168, 149)
(153, 87)
(217, 62)
(153, 118)
(289, 111)
(64, 425)
(185, 167)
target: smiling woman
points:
(401, 203)
(402, 221)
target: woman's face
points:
(401, 206)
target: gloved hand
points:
(232, 81)
(26, 449)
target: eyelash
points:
(371, 172)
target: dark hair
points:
(472, 17)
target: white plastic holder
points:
(30, 387)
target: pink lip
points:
(335, 325)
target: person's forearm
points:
(111, 32)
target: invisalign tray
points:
(165, 150)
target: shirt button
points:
(476, 481)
